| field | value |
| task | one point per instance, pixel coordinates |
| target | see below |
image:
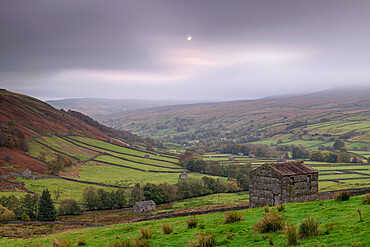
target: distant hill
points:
(316, 117)
(100, 107)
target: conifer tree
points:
(45, 208)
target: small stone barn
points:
(144, 206)
(277, 183)
(184, 175)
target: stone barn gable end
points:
(275, 183)
(144, 206)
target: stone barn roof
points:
(291, 168)
(145, 203)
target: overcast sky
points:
(139, 49)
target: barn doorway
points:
(276, 199)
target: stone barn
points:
(144, 206)
(184, 175)
(275, 183)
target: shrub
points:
(291, 234)
(271, 222)
(81, 242)
(309, 227)
(192, 222)
(167, 228)
(8, 158)
(6, 214)
(267, 209)
(58, 242)
(342, 196)
(145, 233)
(69, 206)
(232, 216)
(366, 200)
(280, 207)
(204, 240)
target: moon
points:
(189, 37)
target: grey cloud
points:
(41, 39)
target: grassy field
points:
(211, 200)
(68, 189)
(102, 144)
(339, 226)
(128, 177)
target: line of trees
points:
(29, 207)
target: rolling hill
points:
(312, 120)
(99, 107)
(23, 117)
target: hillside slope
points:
(37, 117)
(22, 117)
(99, 107)
(270, 119)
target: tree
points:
(90, 198)
(299, 152)
(29, 205)
(343, 157)
(316, 156)
(338, 144)
(168, 191)
(137, 194)
(119, 200)
(152, 192)
(45, 208)
(69, 206)
(355, 160)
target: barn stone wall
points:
(264, 183)
(268, 187)
(302, 190)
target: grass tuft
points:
(229, 235)
(366, 200)
(122, 243)
(309, 228)
(271, 222)
(61, 242)
(280, 207)
(291, 234)
(81, 242)
(167, 228)
(204, 240)
(192, 222)
(342, 196)
(232, 216)
(145, 233)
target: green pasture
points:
(211, 200)
(68, 189)
(36, 149)
(66, 147)
(102, 144)
(127, 177)
(339, 226)
(365, 154)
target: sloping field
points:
(115, 165)
(336, 220)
